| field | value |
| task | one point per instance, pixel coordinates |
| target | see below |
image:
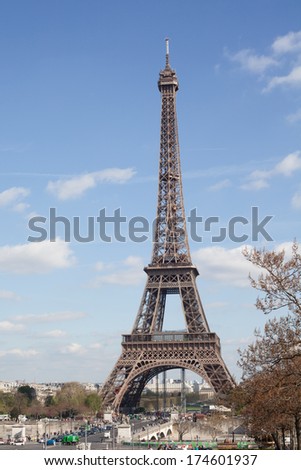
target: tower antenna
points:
(167, 52)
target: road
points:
(94, 439)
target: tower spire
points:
(167, 66)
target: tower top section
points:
(167, 53)
(167, 76)
(170, 247)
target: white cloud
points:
(132, 274)
(255, 184)
(51, 317)
(289, 164)
(290, 42)
(20, 207)
(36, 257)
(22, 353)
(55, 334)
(225, 266)
(9, 326)
(8, 295)
(252, 62)
(287, 247)
(238, 341)
(96, 346)
(294, 117)
(75, 187)
(259, 179)
(133, 262)
(293, 79)
(296, 200)
(281, 49)
(73, 348)
(230, 267)
(226, 183)
(13, 197)
(100, 266)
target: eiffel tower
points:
(149, 350)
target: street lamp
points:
(113, 436)
(86, 434)
(132, 435)
(37, 430)
(45, 436)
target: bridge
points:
(154, 433)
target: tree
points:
(214, 424)
(271, 387)
(70, 400)
(270, 401)
(19, 405)
(36, 409)
(49, 401)
(280, 281)
(93, 402)
(280, 342)
(270, 395)
(29, 392)
(182, 426)
(6, 402)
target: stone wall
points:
(36, 429)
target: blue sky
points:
(79, 132)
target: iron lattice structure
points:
(149, 350)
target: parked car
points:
(70, 439)
(5, 417)
(51, 442)
(19, 442)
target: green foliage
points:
(6, 402)
(93, 402)
(50, 401)
(70, 400)
(28, 392)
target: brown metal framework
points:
(148, 350)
